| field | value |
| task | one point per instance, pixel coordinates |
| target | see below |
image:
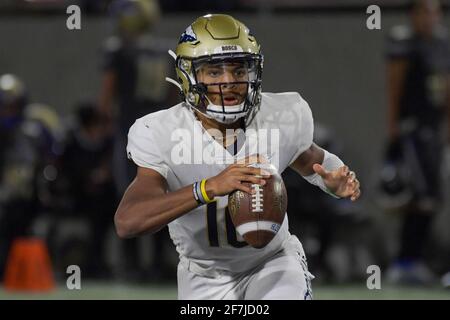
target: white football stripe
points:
(258, 225)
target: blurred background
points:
(67, 98)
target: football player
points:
(30, 135)
(219, 67)
(418, 67)
(135, 64)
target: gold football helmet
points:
(217, 40)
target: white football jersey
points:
(174, 143)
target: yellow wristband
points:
(203, 190)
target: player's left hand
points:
(342, 182)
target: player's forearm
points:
(393, 122)
(396, 71)
(303, 165)
(149, 215)
(448, 106)
(105, 99)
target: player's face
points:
(228, 74)
(426, 15)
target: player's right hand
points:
(232, 177)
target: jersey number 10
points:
(213, 235)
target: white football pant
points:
(284, 276)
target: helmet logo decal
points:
(188, 35)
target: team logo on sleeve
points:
(188, 35)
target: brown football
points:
(258, 217)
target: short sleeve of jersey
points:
(398, 43)
(303, 137)
(143, 150)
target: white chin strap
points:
(216, 112)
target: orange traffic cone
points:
(28, 267)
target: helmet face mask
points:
(219, 68)
(226, 85)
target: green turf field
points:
(108, 291)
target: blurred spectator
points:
(28, 162)
(134, 70)
(418, 61)
(87, 169)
